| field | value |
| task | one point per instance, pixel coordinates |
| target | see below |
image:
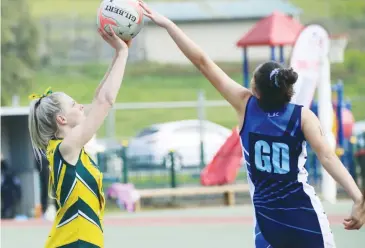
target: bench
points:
(228, 192)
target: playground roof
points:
(273, 30)
(208, 10)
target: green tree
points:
(18, 48)
(354, 10)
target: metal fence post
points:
(339, 121)
(110, 124)
(350, 152)
(101, 158)
(173, 172)
(201, 116)
(125, 162)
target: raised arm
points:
(103, 101)
(314, 135)
(106, 75)
(233, 92)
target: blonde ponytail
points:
(42, 122)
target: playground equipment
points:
(344, 122)
(275, 30)
(224, 167)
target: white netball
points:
(125, 16)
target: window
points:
(147, 131)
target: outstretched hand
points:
(113, 40)
(157, 18)
(357, 218)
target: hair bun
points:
(287, 76)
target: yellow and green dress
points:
(79, 194)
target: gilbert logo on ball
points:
(125, 17)
(121, 12)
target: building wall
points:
(77, 43)
(5, 149)
(217, 39)
(16, 144)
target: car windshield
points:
(147, 131)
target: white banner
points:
(311, 47)
(310, 59)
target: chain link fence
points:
(75, 40)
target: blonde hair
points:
(42, 121)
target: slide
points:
(225, 166)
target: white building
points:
(215, 26)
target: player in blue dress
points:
(273, 134)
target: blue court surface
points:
(213, 227)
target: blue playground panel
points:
(312, 164)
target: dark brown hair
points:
(274, 84)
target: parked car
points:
(151, 146)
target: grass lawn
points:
(312, 9)
(149, 83)
(142, 83)
(87, 8)
(163, 179)
(62, 8)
